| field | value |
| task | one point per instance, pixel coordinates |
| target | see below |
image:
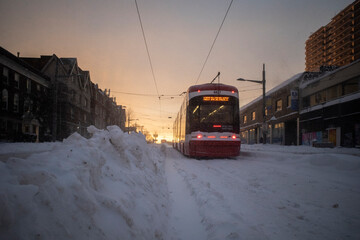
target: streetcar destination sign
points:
(216, 99)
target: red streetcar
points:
(207, 124)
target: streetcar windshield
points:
(220, 115)
(216, 114)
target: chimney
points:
(109, 92)
(18, 54)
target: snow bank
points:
(111, 186)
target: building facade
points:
(337, 43)
(71, 94)
(104, 109)
(330, 107)
(281, 116)
(312, 107)
(49, 98)
(78, 102)
(25, 113)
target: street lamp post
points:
(263, 82)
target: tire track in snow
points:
(185, 219)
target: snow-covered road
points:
(115, 186)
(275, 192)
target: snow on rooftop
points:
(304, 84)
(283, 84)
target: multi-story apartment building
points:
(25, 113)
(337, 43)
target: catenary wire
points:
(212, 46)
(147, 48)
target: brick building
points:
(49, 98)
(77, 102)
(25, 113)
(104, 109)
(337, 43)
(71, 94)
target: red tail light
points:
(217, 126)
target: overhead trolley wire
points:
(212, 46)
(147, 49)
(149, 95)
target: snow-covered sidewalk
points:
(185, 219)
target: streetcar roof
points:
(212, 86)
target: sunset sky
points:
(106, 38)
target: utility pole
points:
(264, 106)
(263, 82)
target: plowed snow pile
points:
(111, 186)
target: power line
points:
(147, 49)
(136, 94)
(212, 46)
(148, 95)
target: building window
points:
(351, 86)
(38, 88)
(27, 105)
(332, 92)
(85, 118)
(37, 106)
(253, 115)
(245, 119)
(4, 99)
(16, 102)
(279, 105)
(3, 125)
(71, 113)
(288, 101)
(28, 85)
(17, 80)
(27, 128)
(5, 75)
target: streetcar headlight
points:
(233, 137)
(199, 136)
